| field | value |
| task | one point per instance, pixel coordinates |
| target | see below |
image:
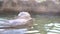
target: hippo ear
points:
(19, 14)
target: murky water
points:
(48, 24)
(45, 24)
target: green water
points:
(41, 20)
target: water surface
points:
(46, 24)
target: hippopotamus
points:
(19, 25)
(21, 21)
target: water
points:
(45, 24)
(48, 24)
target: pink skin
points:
(22, 21)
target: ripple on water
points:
(52, 28)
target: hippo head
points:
(25, 15)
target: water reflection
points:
(13, 31)
(53, 28)
(48, 24)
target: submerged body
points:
(18, 25)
